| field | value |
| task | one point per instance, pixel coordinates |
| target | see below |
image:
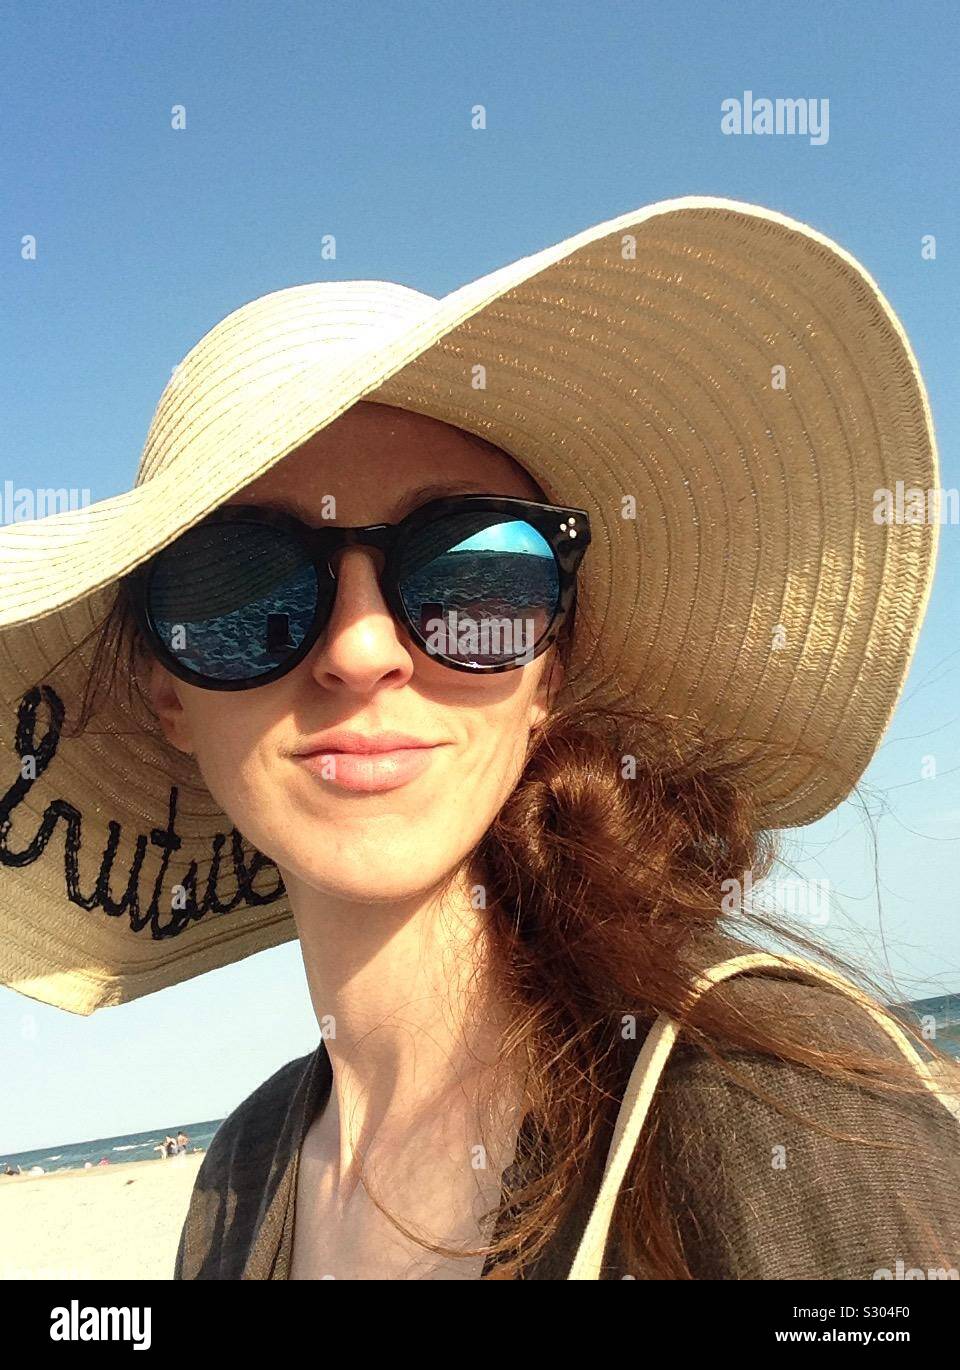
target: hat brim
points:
(723, 388)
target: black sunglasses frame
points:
(567, 531)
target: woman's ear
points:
(169, 709)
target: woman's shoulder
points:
(776, 1170)
(821, 1020)
(798, 997)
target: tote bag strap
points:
(649, 1067)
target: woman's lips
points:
(369, 772)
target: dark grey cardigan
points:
(757, 1195)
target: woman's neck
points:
(411, 1033)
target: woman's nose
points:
(371, 557)
(360, 644)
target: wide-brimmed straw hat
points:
(722, 388)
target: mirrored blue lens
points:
(233, 601)
(481, 588)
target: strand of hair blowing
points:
(604, 871)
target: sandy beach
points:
(110, 1222)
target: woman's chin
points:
(388, 879)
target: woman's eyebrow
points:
(408, 502)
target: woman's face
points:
(365, 674)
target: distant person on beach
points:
(11, 1170)
(182, 1140)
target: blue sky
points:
(305, 119)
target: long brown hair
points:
(606, 874)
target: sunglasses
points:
(480, 583)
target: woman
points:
(510, 755)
